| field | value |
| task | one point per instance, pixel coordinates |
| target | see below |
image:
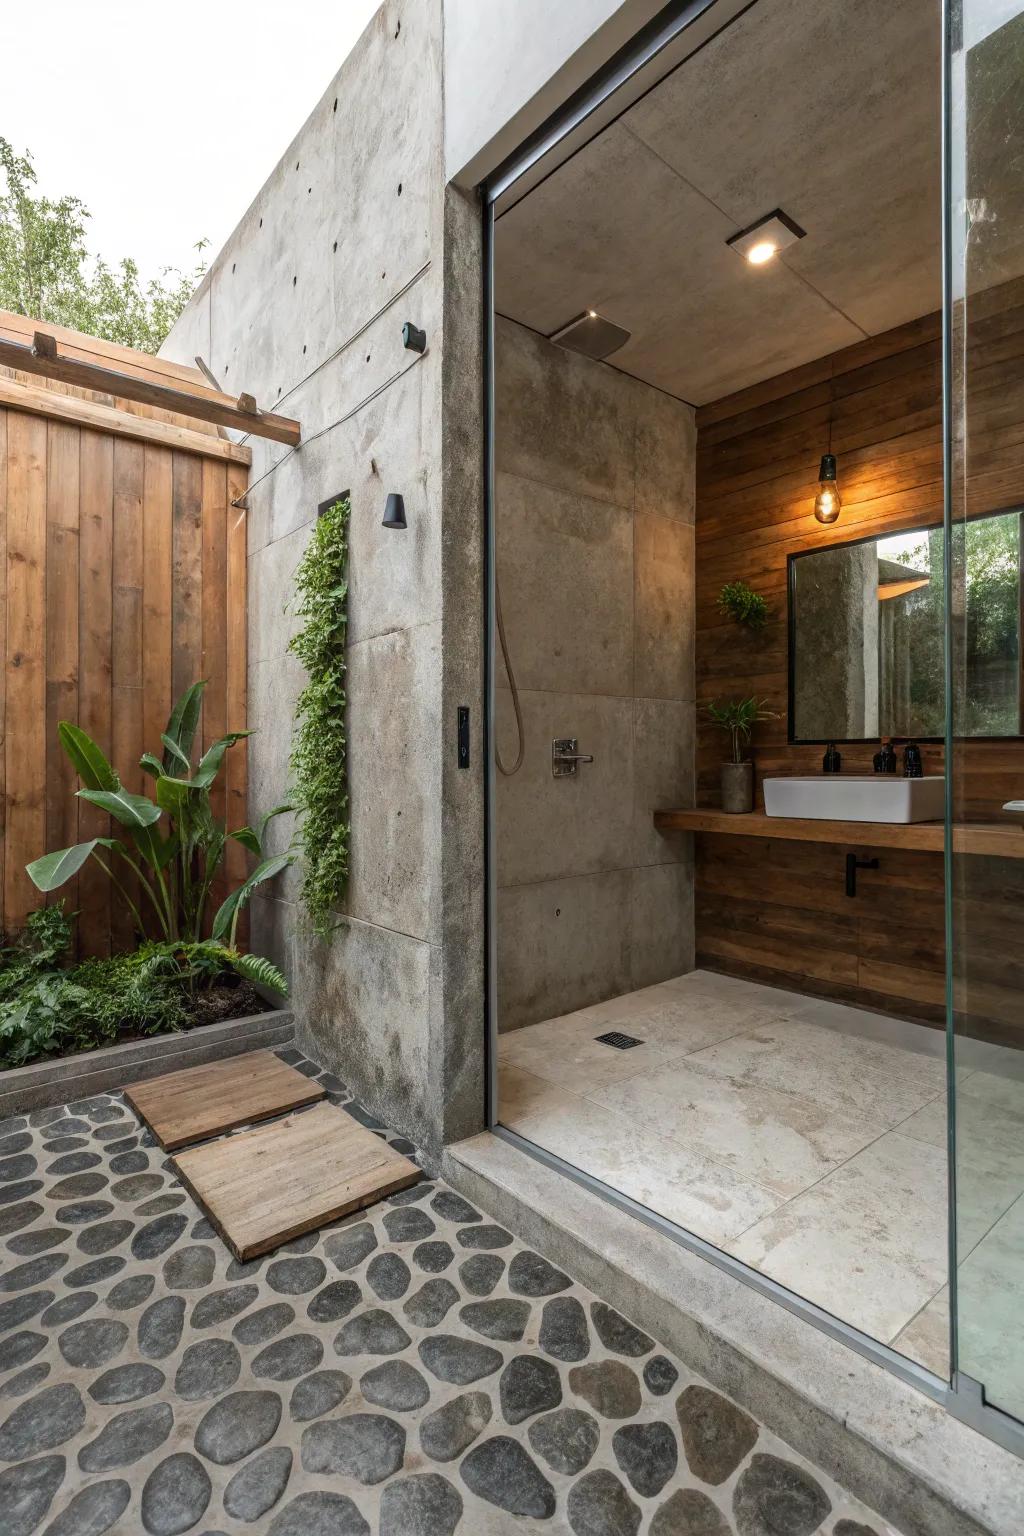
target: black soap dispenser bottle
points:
(913, 767)
(832, 761)
(884, 760)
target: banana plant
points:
(172, 843)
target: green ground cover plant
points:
(187, 967)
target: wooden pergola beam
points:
(45, 358)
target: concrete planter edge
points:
(63, 1079)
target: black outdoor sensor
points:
(463, 735)
(413, 338)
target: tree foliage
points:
(47, 272)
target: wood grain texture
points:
(757, 458)
(928, 836)
(117, 589)
(25, 670)
(120, 421)
(271, 1184)
(199, 1102)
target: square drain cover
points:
(616, 1038)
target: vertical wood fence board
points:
(95, 669)
(62, 560)
(213, 666)
(122, 580)
(156, 595)
(25, 672)
(187, 573)
(3, 652)
(237, 665)
(127, 646)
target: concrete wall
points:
(595, 494)
(353, 234)
(510, 63)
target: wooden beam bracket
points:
(201, 403)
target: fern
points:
(258, 970)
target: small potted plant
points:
(738, 717)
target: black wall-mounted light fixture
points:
(394, 512)
(413, 339)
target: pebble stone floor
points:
(409, 1371)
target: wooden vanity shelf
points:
(1006, 842)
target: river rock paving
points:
(413, 1370)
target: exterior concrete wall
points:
(353, 234)
(595, 497)
(510, 63)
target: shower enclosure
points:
(985, 239)
(976, 1323)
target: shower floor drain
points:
(616, 1038)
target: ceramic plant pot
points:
(737, 787)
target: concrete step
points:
(883, 1440)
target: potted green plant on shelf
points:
(738, 717)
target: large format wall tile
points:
(661, 923)
(562, 944)
(548, 827)
(663, 740)
(394, 810)
(561, 420)
(595, 561)
(664, 632)
(566, 570)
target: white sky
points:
(165, 119)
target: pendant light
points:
(828, 502)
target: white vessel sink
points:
(856, 797)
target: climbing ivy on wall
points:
(318, 758)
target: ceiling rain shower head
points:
(591, 334)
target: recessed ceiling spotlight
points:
(761, 241)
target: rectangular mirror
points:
(866, 634)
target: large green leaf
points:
(248, 839)
(238, 899)
(211, 760)
(152, 765)
(256, 969)
(181, 727)
(172, 794)
(156, 850)
(177, 755)
(267, 818)
(130, 810)
(53, 869)
(86, 757)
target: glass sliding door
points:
(985, 877)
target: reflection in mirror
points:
(866, 634)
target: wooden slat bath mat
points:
(198, 1102)
(260, 1188)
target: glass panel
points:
(986, 888)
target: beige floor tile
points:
(674, 1181)
(573, 1058)
(856, 1077)
(991, 1340)
(868, 1243)
(982, 1129)
(991, 1337)
(925, 1339)
(780, 1140)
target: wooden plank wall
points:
(122, 580)
(778, 911)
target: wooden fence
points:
(123, 574)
